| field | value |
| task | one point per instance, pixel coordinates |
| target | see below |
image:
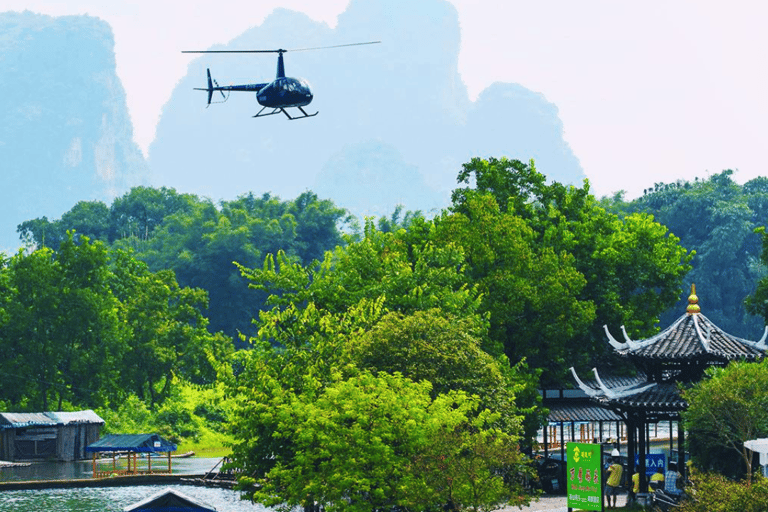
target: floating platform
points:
(115, 481)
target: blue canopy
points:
(145, 443)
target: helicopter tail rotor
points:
(213, 85)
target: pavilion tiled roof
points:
(692, 336)
(579, 410)
(641, 394)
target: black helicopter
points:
(280, 94)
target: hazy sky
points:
(648, 91)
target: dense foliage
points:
(396, 367)
(716, 218)
(516, 270)
(554, 267)
(314, 374)
(85, 327)
(729, 406)
(713, 492)
(199, 241)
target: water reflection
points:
(84, 469)
(116, 498)
(108, 498)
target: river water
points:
(108, 498)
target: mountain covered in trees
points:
(395, 119)
(65, 132)
(716, 217)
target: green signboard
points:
(583, 477)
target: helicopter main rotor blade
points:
(233, 51)
(280, 50)
(334, 46)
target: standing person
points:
(614, 479)
(632, 496)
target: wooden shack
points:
(61, 436)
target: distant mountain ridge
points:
(395, 122)
(65, 132)
(398, 108)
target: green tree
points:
(29, 356)
(445, 350)
(605, 270)
(368, 443)
(166, 332)
(529, 292)
(715, 218)
(143, 209)
(62, 329)
(725, 409)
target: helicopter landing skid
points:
(278, 110)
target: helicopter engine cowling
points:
(285, 92)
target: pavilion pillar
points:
(631, 448)
(671, 443)
(546, 441)
(562, 441)
(681, 467)
(641, 454)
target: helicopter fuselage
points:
(285, 92)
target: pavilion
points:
(130, 445)
(677, 355)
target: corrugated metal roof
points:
(11, 420)
(144, 443)
(25, 419)
(68, 418)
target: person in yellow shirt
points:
(632, 496)
(657, 480)
(614, 480)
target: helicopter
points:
(278, 95)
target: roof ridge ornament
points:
(615, 344)
(759, 345)
(704, 340)
(693, 302)
(620, 392)
(590, 391)
(632, 343)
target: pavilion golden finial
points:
(693, 302)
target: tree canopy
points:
(84, 327)
(716, 219)
(554, 266)
(199, 240)
(725, 409)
